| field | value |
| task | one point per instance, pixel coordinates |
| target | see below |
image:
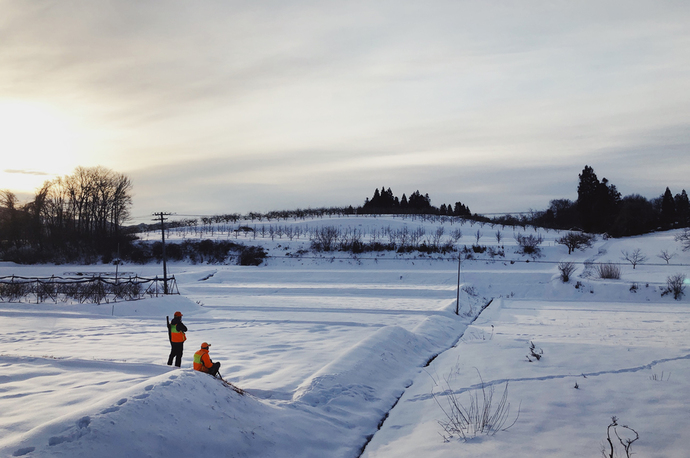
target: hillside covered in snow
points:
(347, 355)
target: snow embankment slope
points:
(153, 410)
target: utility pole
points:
(457, 300)
(162, 216)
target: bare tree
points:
(436, 240)
(634, 258)
(456, 235)
(575, 241)
(665, 255)
(8, 199)
(10, 225)
(684, 239)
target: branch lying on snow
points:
(534, 352)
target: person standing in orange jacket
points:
(176, 334)
(202, 361)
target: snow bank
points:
(179, 414)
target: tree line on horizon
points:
(81, 216)
(600, 208)
(385, 202)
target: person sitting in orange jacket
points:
(203, 363)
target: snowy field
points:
(338, 356)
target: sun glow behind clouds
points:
(36, 144)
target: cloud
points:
(257, 105)
(27, 172)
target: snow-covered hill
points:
(326, 344)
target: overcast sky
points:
(234, 106)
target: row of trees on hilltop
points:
(600, 208)
(69, 218)
(385, 202)
(80, 216)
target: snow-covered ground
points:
(325, 345)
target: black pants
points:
(213, 370)
(176, 352)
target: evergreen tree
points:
(419, 204)
(606, 206)
(597, 202)
(668, 210)
(682, 205)
(587, 197)
(403, 203)
(461, 210)
(382, 202)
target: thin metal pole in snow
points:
(457, 300)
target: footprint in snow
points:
(148, 387)
(121, 401)
(83, 422)
(23, 451)
(110, 410)
(142, 396)
(166, 383)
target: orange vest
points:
(202, 362)
(175, 335)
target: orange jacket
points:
(202, 362)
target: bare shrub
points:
(456, 234)
(529, 244)
(478, 235)
(566, 269)
(608, 270)
(44, 290)
(479, 415)
(660, 378)
(535, 353)
(626, 441)
(13, 291)
(324, 238)
(251, 256)
(127, 290)
(675, 285)
(436, 238)
(470, 290)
